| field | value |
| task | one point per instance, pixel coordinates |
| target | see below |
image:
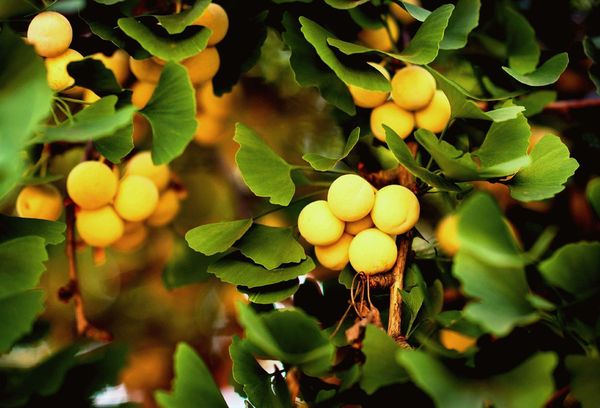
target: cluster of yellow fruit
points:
(358, 224)
(115, 212)
(415, 102)
(214, 115)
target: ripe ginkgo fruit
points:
(365, 98)
(446, 234)
(372, 251)
(91, 185)
(354, 227)
(203, 66)
(134, 235)
(166, 209)
(90, 96)
(142, 165)
(350, 197)
(399, 120)
(210, 130)
(401, 14)
(379, 38)
(413, 88)
(50, 33)
(42, 201)
(145, 69)
(214, 17)
(100, 227)
(118, 63)
(136, 199)
(396, 209)
(435, 116)
(141, 93)
(213, 105)
(318, 225)
(56, 70)
(454, 340)
(334, 256)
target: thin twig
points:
(567, 105)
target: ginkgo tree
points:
(398, 275)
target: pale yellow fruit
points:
(334, 256)
(91, 185)
(166, 209)
(435, 116)
(141, 165)
(210, 130)
(141, 93)
(50, 33)
(215, 18)
(118, 63)
(146, 69)
(396, 209)
(318, 225)
(203, 66)
(136, 199)
(402, 14)
(412, 88)
(43, 201)
(379, 38)
(372, 251)
(216, 106)
(399, 120)
(100, 227)
(56, 70)
(134, 236)
(350, 197)
(454, 340)
(446, 234)
(355, 227)
(90, 96)
(366, 98)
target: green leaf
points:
(463, 20)
(176, 23)
(535, 102)
(528, 385)
(345, 4)
(186, 267)
(22, 84)
(413, 297)
(548, 73)
(117, 146)
(549, 170)
(592, 192)
(265, 295)
(193, 383)
(405, 157)
(22, 264)
(92, 74)
(310, 70)
(522, 46)
(271, 246)
(379, 369)
(169, 48)
(290, 336)
(263, 171)
(323, 163)
(243, 273)
(53, 232)
(591, 46)
(17, 313)
(418, 13)
(574, 268)
(217, 238)
(585, 374)
(97, 121)
(171, 113)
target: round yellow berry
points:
(56, 69)
(379, 38)
(454, 340)
(118, 63)
(100, 227)
(334, 256)
(366, 98)
(142, 165)
(402, 14)
(136, 199)
(43, 201)
(91, 185)
(372, 251)
(446, 234)
(350, 197)
(399, 120)
(355, 227)
(215, 18)
(318, 225)
(146, 69)
(50, 33)
(412, 88)
(396, 209)
(216, 106)
(141, 93)
(166, 209)
(435, 116)
(134, 236)
(203, 66)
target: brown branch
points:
(71, 289)
(567, 105)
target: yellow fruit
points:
(334, 256)
(100, 227)
(141, 128)
(89, 96)
(91, 185)
(134, 236)
(141, 165)
(396, 209)
(136, 199)
(350, 197)
(166, 209)
(215, 18)
(210, 130)
(141, 93)
(57, 75)
(43, 201)
(446, 234)
(379, 38)
(318, 225)
(203, 66)
(435, 116)
(372, 251)
(50, 33)
(453, 340)
(402, 14)
(355, 227)
(366, 98)
(412, 88)
(118, 63)
(399, 120)
(146, 69)
(216, 106)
